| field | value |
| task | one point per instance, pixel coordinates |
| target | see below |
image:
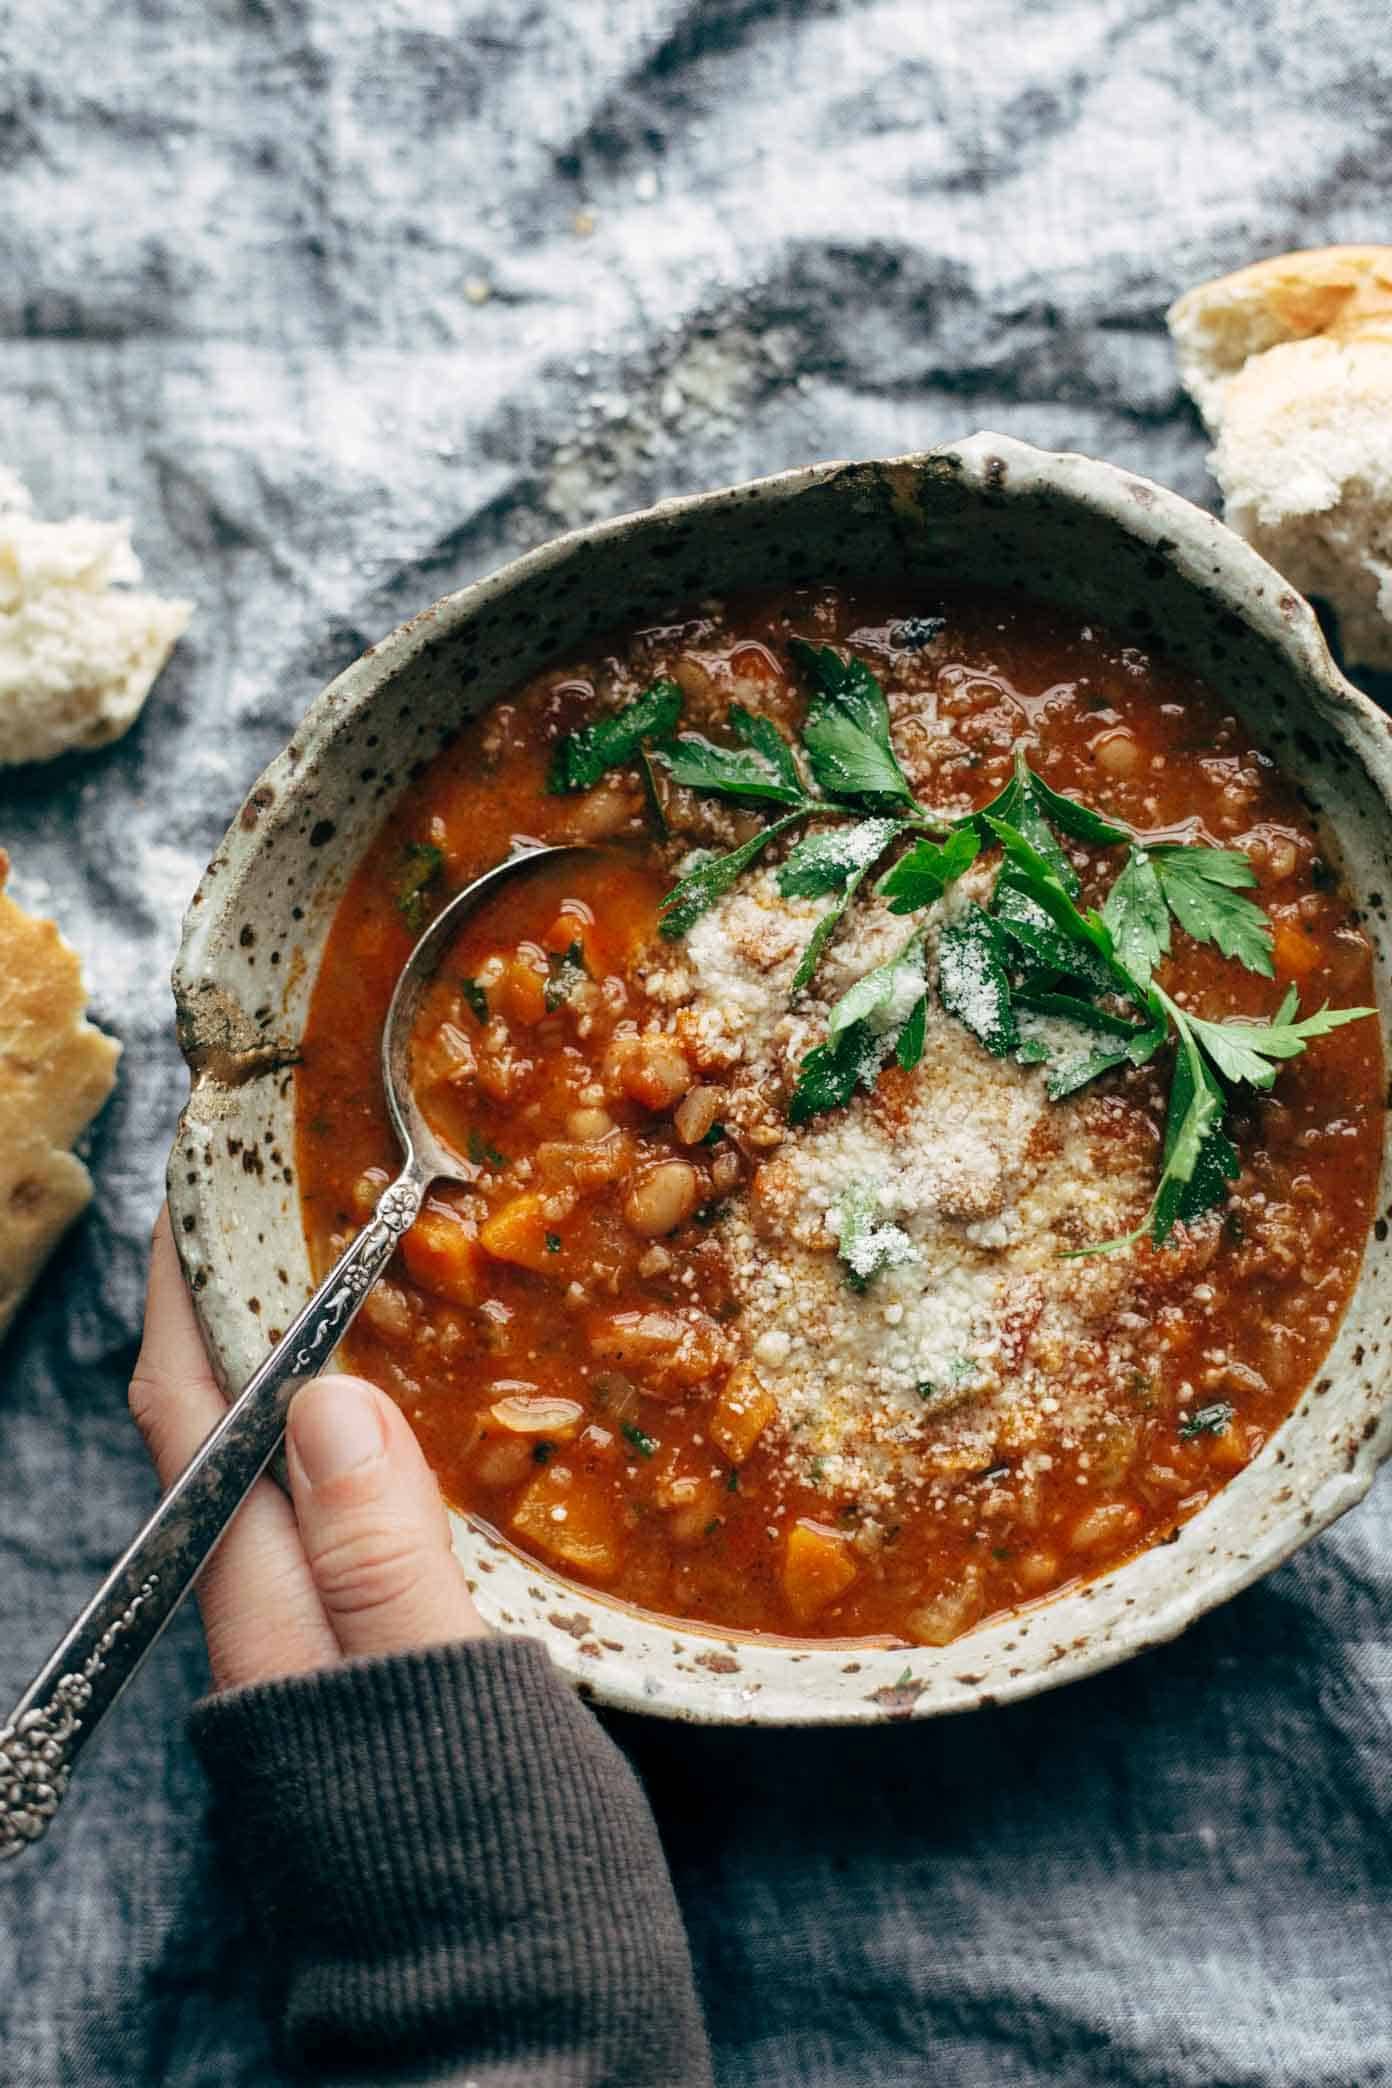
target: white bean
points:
(589, 1124)
(696, 1112)
(1108, 1523)
(661, 1198)
(1118, 753)
(601, 812)
(725, 1171)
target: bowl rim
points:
(1210, 557)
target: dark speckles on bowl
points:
(1092, 538)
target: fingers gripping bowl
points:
(1089, 543)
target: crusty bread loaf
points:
(79, 646)
(1290, 363)
(56, 1070)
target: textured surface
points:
(514, 1789)
(303, 290)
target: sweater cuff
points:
(451, 1859)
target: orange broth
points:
(579, 1370)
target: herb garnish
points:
(847, 731)
(474, 998)
(880, 1014)
(1198, 1159)
(864, 1244)
(421, 864)
(848, 750)
(642, 1442)
(1208, 1420)
(483, 1154)
(714, 876)
(762, 768)
(582, 757)
(567, 971)
(1031, 972)
(1203, 888)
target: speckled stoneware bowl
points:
(1063, 527)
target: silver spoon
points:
(86, 1672)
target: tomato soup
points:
(937, 1199)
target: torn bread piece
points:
(80, 646)
(1290, 363)
(56, 1070)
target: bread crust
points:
(1290, 363)
(56, 1071)
(1337, 291)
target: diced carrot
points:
(518, 1233)
(1229, 1449)
(741, 1414)
(442, 1256)
(572, 925)
(522, 988)
(1294, 953)
(571, 1522)
(817, 1567)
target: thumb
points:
(372, 1522)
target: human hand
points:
(358, 1561)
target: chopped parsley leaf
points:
(1208, 1420)
(568, 970)
(475, 999)
(582, 757)
(421, 864)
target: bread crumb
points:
(80, 647)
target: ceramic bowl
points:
(1077, 532)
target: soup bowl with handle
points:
(1077, 533)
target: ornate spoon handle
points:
(81, 1680)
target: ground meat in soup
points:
(633, 1344)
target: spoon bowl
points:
(425, 1155)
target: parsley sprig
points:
(848, 772)
(1198, 1159)
(865, 1243)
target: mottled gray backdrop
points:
(346, 301)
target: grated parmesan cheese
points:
(965, 1329)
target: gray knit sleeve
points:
(453, 1865)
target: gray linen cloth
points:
(348, 303)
